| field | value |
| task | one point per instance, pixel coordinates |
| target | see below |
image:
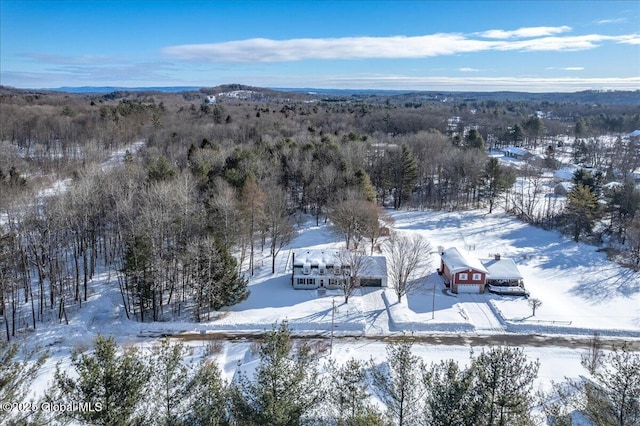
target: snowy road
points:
(509, 339)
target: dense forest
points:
(173, 193)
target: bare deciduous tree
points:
(278, 221)
(353, 219)
(407, 257)
(353, 262)
(535, 304)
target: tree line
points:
(179, 224)
(291, 385)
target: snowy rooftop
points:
(457, 261)
(515, 150)
(315, 257)
(502, 269)
(565, 173)
(374, 266)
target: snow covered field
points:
(580, 289)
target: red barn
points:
(462, 274)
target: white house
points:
(314, 269)
(516, 152)
(503, 276)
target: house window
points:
(463, 276)
(477, 277)
(311, 281)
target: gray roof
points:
(503, 269)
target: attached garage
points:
(468, 288)
(461, 273)
(371, 282)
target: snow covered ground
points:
(580, 289)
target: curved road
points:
(508, 339)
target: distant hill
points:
(109, 89)
(364, 95)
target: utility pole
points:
(333, 315)
(433, 302)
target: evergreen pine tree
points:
(581, 211)
(609, 397)
(207, 403)
(215, 277)
(398, 384)
(111, 384)
(349, 396)
(364, 185)
(613, 397)
(447, 399)
(138, 270)
(285, 387)
(501, 389)
(498, 179)
(168, 384)
(15, 381)
(404, 174)
(474, 139)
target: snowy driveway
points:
(480, 314)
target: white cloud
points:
(468, 69)
(629, 39)
(566, 68)
(261, 50)
(526, 32)
(612, 21)
(65, 60)
(571, 43)
(516, 83)
(267, 50)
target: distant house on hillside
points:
(211, 99)
(516, 153)
(467, 274)
(563, 188)
(565, 174)
(314, 269)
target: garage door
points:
(468, 288)
(371, 282)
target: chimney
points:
(497, 256)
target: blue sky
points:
(414, 45)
